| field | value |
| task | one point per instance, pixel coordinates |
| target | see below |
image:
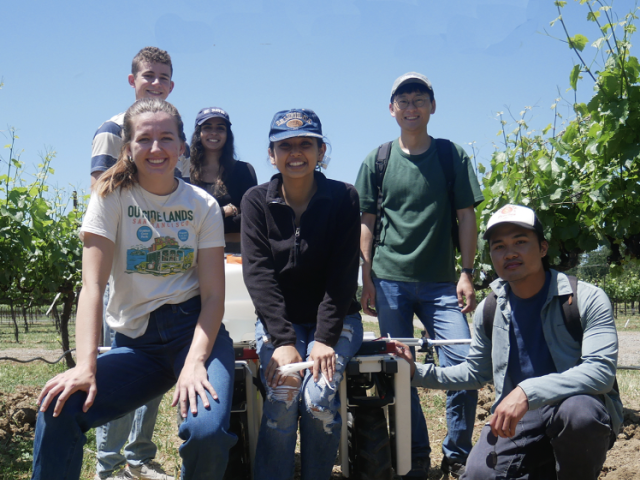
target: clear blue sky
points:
(65, 66)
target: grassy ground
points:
(628, 323)
(15, 457)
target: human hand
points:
(81, 377)
(508, 413)
(324, 361)
(465, 288)
(230, 210)
(284, 355)
(368, 298)
(402, 351)
(193, 381)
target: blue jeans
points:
(134, 372)
(436, 305)
(136, 426)
(567, 441)
(317, 405)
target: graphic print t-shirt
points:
(157, 240)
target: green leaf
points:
(557, 195)
(544, 164)
(570, 134)
(570, 231)
(594, 130)
(559, 3)
(578, 42)
(593, 16)
(574, 77)
(546, 129)
(596, 196)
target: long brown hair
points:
(124, 174)
(227, 156)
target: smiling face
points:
(296, 157)
(413, 118)
(213, 134)
(155, 147)
(517, 255)
(153, 80)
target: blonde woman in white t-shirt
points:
(145, 232)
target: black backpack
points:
(570, 316)
(445, 157)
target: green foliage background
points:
(583, 181)
(40, 251)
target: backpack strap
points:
(382, 160)
(444, 148)
(489, 313)
(570, 312)
(571, 317)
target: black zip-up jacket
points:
(303, 275)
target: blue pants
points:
(436, 305)
(317, 405)
(133, 373)
(567, 441)
(136, 426)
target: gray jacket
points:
(588, 370)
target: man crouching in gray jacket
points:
(557, 408)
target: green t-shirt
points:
(415, 239)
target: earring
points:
(129, 158)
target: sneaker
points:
(452, 468)
(146, 471)
(419, 469)
(117, 475)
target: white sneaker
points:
(146, 471)
(117, 475)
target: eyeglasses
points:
(417, 102)
(492, 456)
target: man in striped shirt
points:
(150, 77)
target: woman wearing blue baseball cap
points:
(300, 246)
(215, 168)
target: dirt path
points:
(17, 415)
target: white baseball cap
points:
(516, 214)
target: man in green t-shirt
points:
(413, 269)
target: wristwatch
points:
(470, 271)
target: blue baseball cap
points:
(297, 122)
(211, 112)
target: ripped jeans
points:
(317, 405)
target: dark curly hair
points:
(197, 159)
